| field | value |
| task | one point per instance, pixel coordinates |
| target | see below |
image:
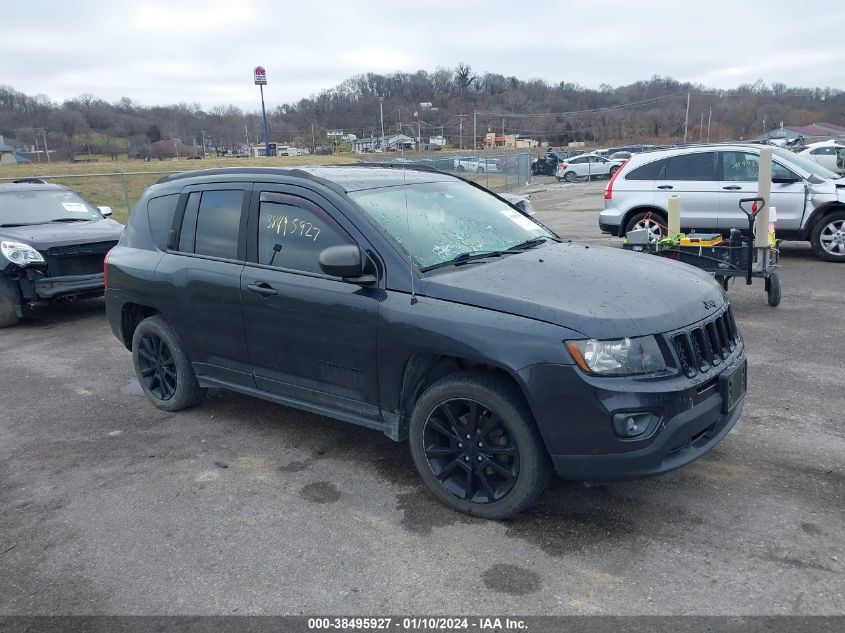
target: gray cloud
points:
(155, 51)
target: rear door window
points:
(211, 223)
(697, 166)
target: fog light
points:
(634, 423)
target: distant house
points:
(813, 132)
(509, 141)
(169, 148)
(391, 143)
(10, 152)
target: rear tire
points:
(612, 171)
(503, 466)
(570, 176)
(162, 367)
(638, 220)
(10, 297)
(828, 237)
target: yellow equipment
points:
(701, 239)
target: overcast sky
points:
(158, 52)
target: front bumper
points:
(685, 438)
(574, 413)
(49, 288)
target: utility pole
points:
(246, 133)
(709, 117)
(381, 112)
(461, 125)
(701, 128)
(46, 151)
(686, 119)
(313, 141)
(474, 130)
(203, 143)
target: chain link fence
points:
(120, 189)
(495, 171)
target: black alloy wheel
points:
(471, 451)
(158, 366)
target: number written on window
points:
(296, 227)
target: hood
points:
(44, 236)
(598, 291)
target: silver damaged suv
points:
(711, 179)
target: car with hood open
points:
(52, 247)
(426, 307)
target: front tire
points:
(475, 445)
(162, 368)
(9, 298)
(828, 237)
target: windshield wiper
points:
(463, 258)
(534, 241)
(71, 220)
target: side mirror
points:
(104, 211)
(346, 262)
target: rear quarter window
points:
(649, 171)
(160, 212)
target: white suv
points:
(587, 166)
(711, 179)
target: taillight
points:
(563, 166)
(608, 191)
(106, 269)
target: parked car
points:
(828, 154)
(520, 202)
(420, 305)
(587, 166)
(710, 180)
(621, 156)
(52, 245)
(477, 165)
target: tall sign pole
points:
(261, 80)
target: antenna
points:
(408, 225)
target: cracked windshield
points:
(443, 220)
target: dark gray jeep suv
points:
(423, 306)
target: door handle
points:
(263, 289)
(732, 187)
(665, 187)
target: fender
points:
(817, 214)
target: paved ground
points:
(108, 505)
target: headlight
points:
(20, 254)
(622, 357)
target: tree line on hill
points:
(653, 110)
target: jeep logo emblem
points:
(709, 305)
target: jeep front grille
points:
(707, 345)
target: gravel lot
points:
(110, 506)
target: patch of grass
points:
(120, 184)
